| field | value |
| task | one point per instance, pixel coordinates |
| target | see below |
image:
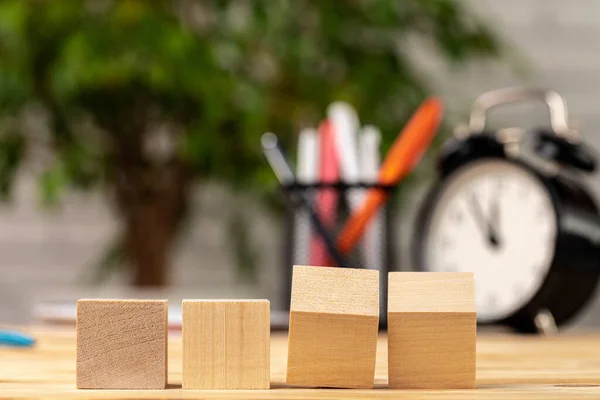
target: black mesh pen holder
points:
(374, 250)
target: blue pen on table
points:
(15, 339)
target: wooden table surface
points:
(566, 366)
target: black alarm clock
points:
(510, 206)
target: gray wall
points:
(47, 255)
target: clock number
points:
(450, 268)
(523, 191)
(492, 301)
(499, 183)
(457, 215)
(445, 242)
(518, 290)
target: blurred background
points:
(130, 157)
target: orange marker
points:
(404, 154)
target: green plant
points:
(147, 98)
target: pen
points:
(307, 171)
(374, 241)
(345, 124)
(284, 174)
(326, 199)
(405, 153)
(15, 339)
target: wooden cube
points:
(122, 344)
(334, 319)
(431, 330)
(226, 344)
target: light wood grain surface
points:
(122, 344)
(431, 341)
(437, 292)
(226, 344)
(333, 327)
(508, 367)
(330, 290)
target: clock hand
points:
(478, 214)
(484, 224)
(494, 222)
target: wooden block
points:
(431, 330)
(226, 344)
(334, 318)
(122, 344)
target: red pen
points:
(326, 199)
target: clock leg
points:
(544, 322)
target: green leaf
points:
(221, 72)
(52, 183)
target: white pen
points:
(345, 125)
(307, 172)
(374, 241)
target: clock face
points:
(497, 220)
